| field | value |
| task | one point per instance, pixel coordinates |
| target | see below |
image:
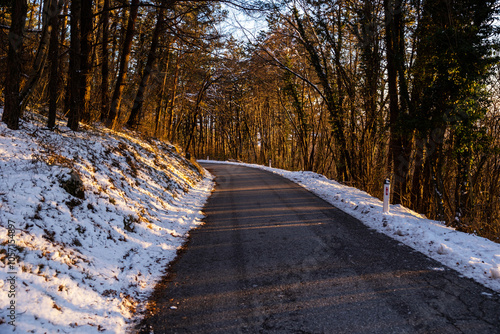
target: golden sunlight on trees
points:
(357, 90)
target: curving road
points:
(274, 258)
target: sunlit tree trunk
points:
(114, 112)
(105, 62)
(398, 163)
(49, 10)
(86, 63)
(135, 114)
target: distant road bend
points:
(274, 258)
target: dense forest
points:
(357, 90)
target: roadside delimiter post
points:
(387, 192)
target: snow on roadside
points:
(473, 256)
(85, 263)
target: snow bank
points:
(474, 257)
(88, 223)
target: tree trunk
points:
(54, 64)
(114, 112)
(170, 132)
(159, 108)
(75, 67)
(398, 164)
(12, 109)
(135, 114)
(105, 62)
(49, 10)
(64, 59)
(207, 82)
(85, 62)
(333, 102)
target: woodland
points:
(356, 90)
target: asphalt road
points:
(274, 258)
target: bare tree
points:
(105, 62)
(12, 110)
(75, 67)
(114, 112)
(134, 117)
(54, 63)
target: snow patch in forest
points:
(85, 263)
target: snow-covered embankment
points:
(94, 218)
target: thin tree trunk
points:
(49, 10)
(417, 184)
(333, 102)
(105, 62)
(74, 67)
(160, 107)
(54, 64)
(85, 62)
(114, 112)
(160, 114)
(64, 59)
(207, 82)
(135, 114)
(170, 106)
(12, 109)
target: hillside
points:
(88, 222)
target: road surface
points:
(274, 258)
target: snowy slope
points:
(85, 265)
(474, 257)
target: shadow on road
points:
(273, 258)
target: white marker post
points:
(387, 193)
(269, 163)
